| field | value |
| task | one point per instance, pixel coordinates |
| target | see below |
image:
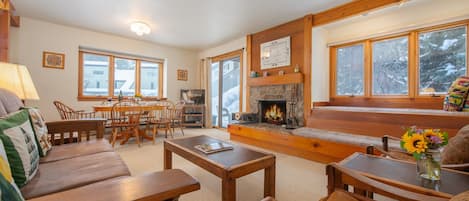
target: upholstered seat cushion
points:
(68, 151)
(74, 172)
(344, 138)
(457, 150)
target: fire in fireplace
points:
(273, 111)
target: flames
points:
(274, 114)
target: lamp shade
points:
(16, 78)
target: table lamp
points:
(16, 78)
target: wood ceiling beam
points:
(350, 9)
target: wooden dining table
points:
(106, 108)
(141, 106)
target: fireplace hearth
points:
(273, 111)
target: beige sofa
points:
(91, 170)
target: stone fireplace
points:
(292, 94)
(273, 111)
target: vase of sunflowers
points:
(425, 145)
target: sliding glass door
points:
(225, 90)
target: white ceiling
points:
(191, 24)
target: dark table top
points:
(452, 182)
(239, 155)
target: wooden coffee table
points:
(403, 175)
(228, 165)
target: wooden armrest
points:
(461, 167)
(75, 126)
(339, 176)
(162, 185)
(395, 154)
(392, 137)
(85, 112)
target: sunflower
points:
(406, 136)
(432, 135)
(415, 143)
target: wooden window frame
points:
(111, 72)
(402, 35)
(333, 69)
(443, 27)
(413, 99)
(229, 55)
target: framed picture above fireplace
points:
(275, 53)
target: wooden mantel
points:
(291, 78)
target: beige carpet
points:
(297, 179)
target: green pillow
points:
(8, 188)
(20, 144)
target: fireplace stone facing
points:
(279, 92)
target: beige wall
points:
(416, 13)
(34, 36)
(320, 66)
(225, 48)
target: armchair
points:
(398, 154)
(340, 178)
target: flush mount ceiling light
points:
(140, 28)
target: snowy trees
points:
(350, 70)
(441, 58)
(390, 64)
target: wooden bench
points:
(379, 121)
(309, 143)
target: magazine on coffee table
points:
(213, 147)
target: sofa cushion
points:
(74, 172)
(20, 143)
(457, 150)
(40, 130)
(8, 188)
(67, 151)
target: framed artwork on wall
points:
(53, 60)
(182, 75)
(275, 53)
